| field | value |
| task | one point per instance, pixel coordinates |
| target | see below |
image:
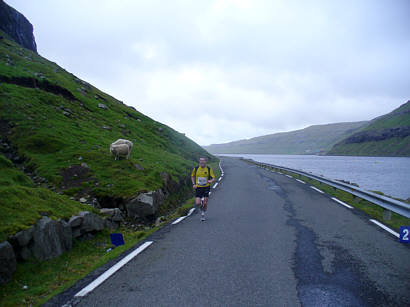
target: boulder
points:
(50, 239)
(8, 262)
(22, 238)
(75, 221)
(117, 216)
(67, 235)
(107, 211)
(24, 253)
(102, 106)
(91, 222)
(145, 204)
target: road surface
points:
(269, 240)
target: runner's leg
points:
(205, 206)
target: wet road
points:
(268, 241)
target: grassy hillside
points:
(52, 126)
(387, 135)
(312, 139)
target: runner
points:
(202, 178)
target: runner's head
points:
(202, 162)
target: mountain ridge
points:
(310, 140)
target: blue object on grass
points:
(117, 239)
(405, 234)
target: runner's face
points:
(202, 162)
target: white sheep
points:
(122, 141)
(120, 150)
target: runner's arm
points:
(212, 177)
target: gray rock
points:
(91, 222)
(25, 253)
(50, 239)
(67, 235)
(8, 262)
(159, 220)
(23, 237)
(117, 216)
(107, 211)
(102, 106)
(83, 200)
(145, 204)
(84, 165)
(75, 221)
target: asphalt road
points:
(268, 241)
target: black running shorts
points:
(202, 192)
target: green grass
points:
(393, 146)
(22, 204)
(50, 141)
(46, 279)
(374, 211)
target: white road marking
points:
(385, 228)
(342, 203)
(210, 193)
(280, 173)
(215, 185)
(190, 211)
(220, 178)
(179, 219)
(288, 176)
(99, 280)
(320, 191)
(301, 181)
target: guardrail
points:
(387, 203)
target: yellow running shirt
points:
(201, 176)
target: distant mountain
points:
(311, 140)
(387, 135)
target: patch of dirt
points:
(41, 84)
(74, 176)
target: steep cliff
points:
(17, 27)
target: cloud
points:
(225, 70)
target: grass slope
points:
(22, 204)
(387, 135)
(312, 139)
(53, 120)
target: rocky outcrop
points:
(17, 26)
(48, 238)
(7, 262)
(145, 204)
(51, 238)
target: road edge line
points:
(342, 203)
(107, 274)
(385, 228)
(316, 189)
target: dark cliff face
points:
(17, 26)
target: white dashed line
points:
(220, 178)
(385, 228)
(179, 219)
(342, 203)
(190, 211)
(215, 185)
(289, 176)
(112, 270)
(320, 191)
(301, 181)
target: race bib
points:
(202, 180)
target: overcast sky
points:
(226, 70)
